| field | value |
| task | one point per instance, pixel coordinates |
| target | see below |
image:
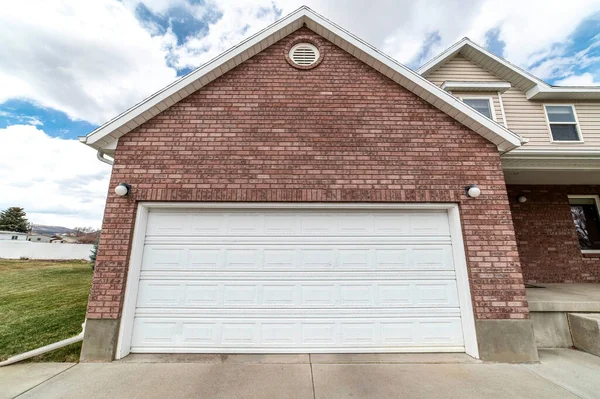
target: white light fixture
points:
(472, 191)
(522, 199)
(122, 189)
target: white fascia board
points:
(494, 132)
(475, 86)
(560, 93)
(556, 164)
(524, 152)
(552, 159)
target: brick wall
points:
(340, 132)
(546, 237)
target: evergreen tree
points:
(93, 255)
(13, 219)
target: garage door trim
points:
(135, 261)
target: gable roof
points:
(534, 87)
(104, 137)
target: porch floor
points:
(564, 298)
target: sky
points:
(68, 66)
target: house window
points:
(586, 215)
(563, 123)
(14, 237)
(483, 105)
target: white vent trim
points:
(304, 54)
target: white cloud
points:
(89, 59)
(239, 20)
(585, 79)
(400, 27)
(57, 181)
(30, 120)
(559, 64)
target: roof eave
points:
(563, 93)
(138, 114)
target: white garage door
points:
(297, 281)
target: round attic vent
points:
(304, 54)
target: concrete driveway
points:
(562, 373)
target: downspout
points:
(44, 349)
(100, 156)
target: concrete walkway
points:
(562, 373)
(564, 298)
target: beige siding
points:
(524, 117)
(497, 111)
(461, 69)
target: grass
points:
(42, 302)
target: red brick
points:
(546, 236)
(340, 132)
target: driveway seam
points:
(312, 377)
(46, 380)
(552, 382)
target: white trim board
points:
(505, 139)
(135, 262)
(499, 87)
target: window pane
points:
(560, 113)
(481, 105)
(564, 132)
(587, 224)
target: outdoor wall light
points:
(122, 189)
(522, 199)
(473, 191)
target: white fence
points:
(43, 250)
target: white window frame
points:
(596, 199)
(482, 97)
(139, 235)
(577, 126)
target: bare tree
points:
(79, 231)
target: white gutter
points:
(44, 349)
(100, 156)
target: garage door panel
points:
(325, 275)
(294, 334)
(342, 257)
(297, 281)
(297, 294)
(306, 223)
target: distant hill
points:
(50, 230)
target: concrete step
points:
(585, 331)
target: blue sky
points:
(68, 66)
(55, 122)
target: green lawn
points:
(42, 302)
